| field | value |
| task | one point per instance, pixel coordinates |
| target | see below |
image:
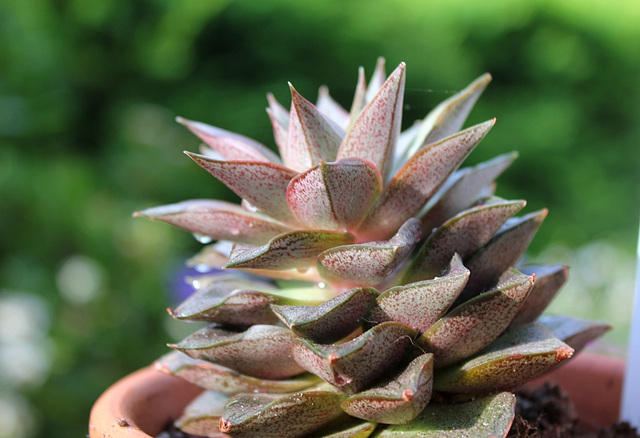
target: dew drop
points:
(234, 231)
(196, 284)
(321, 285)
(202, 238)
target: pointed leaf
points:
(419, 305)
(359, 98)
(399, 400)
(225, 380)
(202, 416)
(271, 416)
(576, 333)
(260, 351)
(377, 80)
(287, 251)
(332, 109)
(476, 323)
(218, 220)
(334, 196)
(374, 132)
(490, 416)
(405, 138)
(418, 180)
(279, 117)
(230, 145)
(369, 263)
(311, 137)
(356, 364)
(549, 280)
(463, 234)
(519, 355)
(262, 184)
(330, 321)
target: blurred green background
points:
(89, 91)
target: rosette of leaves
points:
(370, 287)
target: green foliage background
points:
(89, 90)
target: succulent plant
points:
(370, 287)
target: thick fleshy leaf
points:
(476, 323)
(576, 333)
(463, 234)
(311, 137)
(420, 304)
(276, 416)
(296, 249)
(519, 355)
(489, 416)
(502, 252)
(375, 131)
(334, 196)
(225, 380)
(202, 416)
(346, 427)
(549, 280)
(279, 117)
(377, 81)
(359, 98)
(260, 351)
(231, 146)
(330, 321)
(398, 401)
(332, 109)
(356, 364)
(462, 189)
(418, 180)
(218, 220)
(263, 184)
(369, 263)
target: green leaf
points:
(399, 400)
(202, 416)
(483, 417)
(549, 280)
(576, 333)
(346, 427)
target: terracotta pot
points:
(143, 403)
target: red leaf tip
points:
(224, 425)
(407, 395)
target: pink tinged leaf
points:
(397, 401)
(280, 113)
(502, 252)
(279, 117)
(330, 321)
(359, 98)
(210, 257)
(231, 146)
(334, 195)
(202, 416)
(375, 131)
(218, 220)
(463, 234)
(377, 80)
(225, 380)
(462, 189)
(476, 323)
(419, 305)
(277, 416)
(264, 185)
(332, 109)
(405, 138)
(356, 364)
(519, 355)
(369, 263)
(489, 416)
(549, 280)
(296, 249)
(576, 333)
(260, 351)
(418, 180)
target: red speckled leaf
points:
(332, 109)
(330, 321)
(399, 400)
(287, 251)
(225, 380)
(202, 416)
(311, 138)
(549, 280)
(277, 416)
(359, 98)
(218, 220)
(576, 333)
(463, 234)
(356, 364)
(420, 304)
(418, 180)
(476, 323)
(260, 351)
(462, 189)
(374, 132)
(502, 252)
(264, 185)
(369, 263)
(489, 416)
(335, 195)
(230, 145)
(521, 354)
